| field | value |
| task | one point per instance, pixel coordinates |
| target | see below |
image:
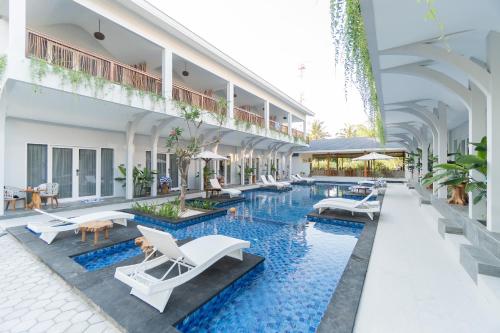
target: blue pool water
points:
(303, 263)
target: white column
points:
(304, 127)
(493, 133)
(290, 171)
(2, 158)
(230, 99)
(289, 123)
(251, 165)
(425, 157)
(477, 130)
(154, 159)
(242, 167)
(266, 115)
(443, 143)
(129, 182)
(17, 31)
(166, 73)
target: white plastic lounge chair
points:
(274, 182)
(296, 179)
(268, 184)
(354, 206)
(187, 261)
(49, 230)
(231, 191)
(307, 179)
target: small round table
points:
(36, 200)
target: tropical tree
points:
(186, 148)
(349, 131)
(318, 131)
(366, 131)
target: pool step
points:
(446, 226)
(477, 261)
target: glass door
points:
(62, 171)
(107, 179)
(174, 170)
(87, 172)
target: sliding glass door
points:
(174, 170)
(62, 171)
(87, 172)
(107, 179)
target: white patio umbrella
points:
(372, 157)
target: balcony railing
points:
(193, 97)
(298, 134)
(250, 117)
(61, 54)
(278, 127)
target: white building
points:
(74, 106)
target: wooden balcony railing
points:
(253, 118)
(196, 98)
(278, 127)
(61, 54)
(298, 134)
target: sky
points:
(273, 38)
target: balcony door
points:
(87, 173)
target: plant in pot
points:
(248, 172)
(142, 179)
(466, 174)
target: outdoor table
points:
(211, 190)
(36, 200)
(361, 189)
(96, 227)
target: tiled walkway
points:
(33, 299)
(414, 282)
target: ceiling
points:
(397, 23)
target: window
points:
(36, 165)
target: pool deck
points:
(112, 296)
(415, 282)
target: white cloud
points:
(272, 38)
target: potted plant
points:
(248, 172)
(458, 175)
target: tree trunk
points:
(458, 196)
(183, 169)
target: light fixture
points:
(285, 118)
(98, 34)
(185, 72)
(235, 95)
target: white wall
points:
(4, 36)
(300, 166)
(458, 138)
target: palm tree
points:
(349, 131)
(318, 131)
(366, 131)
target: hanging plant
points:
(3, 65)
(351, 50)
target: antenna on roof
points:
(302, 69)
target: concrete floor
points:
(414, 282)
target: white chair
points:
(49, 230)
(268, 184)
(354, 206)
(49, 191)
(296, 179)
(274, 182)
(183, 264)
(231, 191)
(11, 195)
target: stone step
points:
(447, 226)
(477, 261)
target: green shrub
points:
(202, 204)
(168, 210)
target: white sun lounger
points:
(307, 179)
(268, 184)
(187, 261)
(296, 179)
(274, 182)
(231, 191)
(354, 206)
(50, 230)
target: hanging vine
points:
(3, 65)
(351, 51)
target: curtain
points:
(107, 179)
(36, 164)
(62, 171)
(161, 166)
(87, 173)
(148, 160)
(228, 165)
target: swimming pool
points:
(303, 263)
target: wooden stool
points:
(144, 244)
(96, 227)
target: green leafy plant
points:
(142, 179)
(3, 65)
(202, 204)
(168, 210)
(148, 208)
(459, 175)
(351, 50)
